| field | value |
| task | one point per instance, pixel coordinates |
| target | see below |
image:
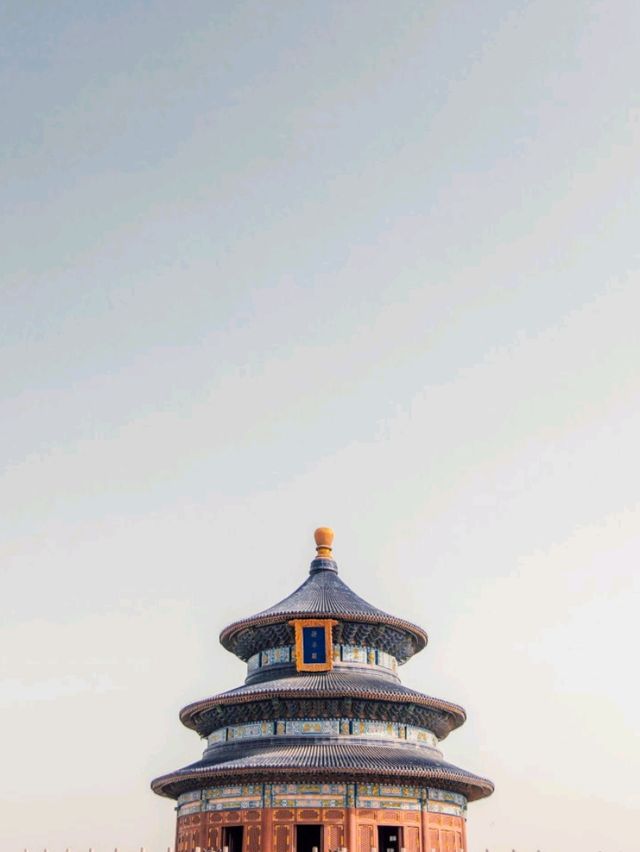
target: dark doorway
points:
(308, 838)
(388, 838)
(232, 838)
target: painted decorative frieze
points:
(386, 661)
(312, 726)
(309, 795)
(446, 802)
(233, 804)
(446, 796)
(275, 656)
(194, 795)
(389, 804)
(329, 795)
(354, 654)
(445, 808)
(251, 730)
(421, 735)
(190, 808)
(359, 654)
(218, 736)
(362, 728)
(372, 728)
(318, 789)
(388, 797)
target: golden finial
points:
(324, 540)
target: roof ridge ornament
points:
(324, 560)
(324, 540)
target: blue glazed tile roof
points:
(337, 683)
(326, 685)
(356, 761)
(323, 593)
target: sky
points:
(267, 266)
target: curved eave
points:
(232, 631)
(308, 763)
(189, 714)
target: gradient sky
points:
(271, 265)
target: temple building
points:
(322, 748)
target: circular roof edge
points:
(232, 631)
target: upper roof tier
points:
(325, 595)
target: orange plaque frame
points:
(328, 624)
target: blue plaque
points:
(314, 645)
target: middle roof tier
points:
(333, 694)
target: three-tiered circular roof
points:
(275, 696)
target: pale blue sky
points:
(266, 266)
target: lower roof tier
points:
(292, 761)
(326, 695)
